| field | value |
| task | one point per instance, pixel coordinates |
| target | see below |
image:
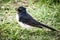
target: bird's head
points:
(21, 9)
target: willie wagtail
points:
(26, 21)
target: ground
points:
(43, 11)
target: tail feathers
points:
(48, 27)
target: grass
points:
(43, 11)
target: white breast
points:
(22, 24)
(17, 17)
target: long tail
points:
(48, 27)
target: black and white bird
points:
(26, 21)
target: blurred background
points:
(44, 11)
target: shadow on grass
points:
(56, 35)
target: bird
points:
(26, 21)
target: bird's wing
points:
(27, 19)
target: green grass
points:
(44, 11)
